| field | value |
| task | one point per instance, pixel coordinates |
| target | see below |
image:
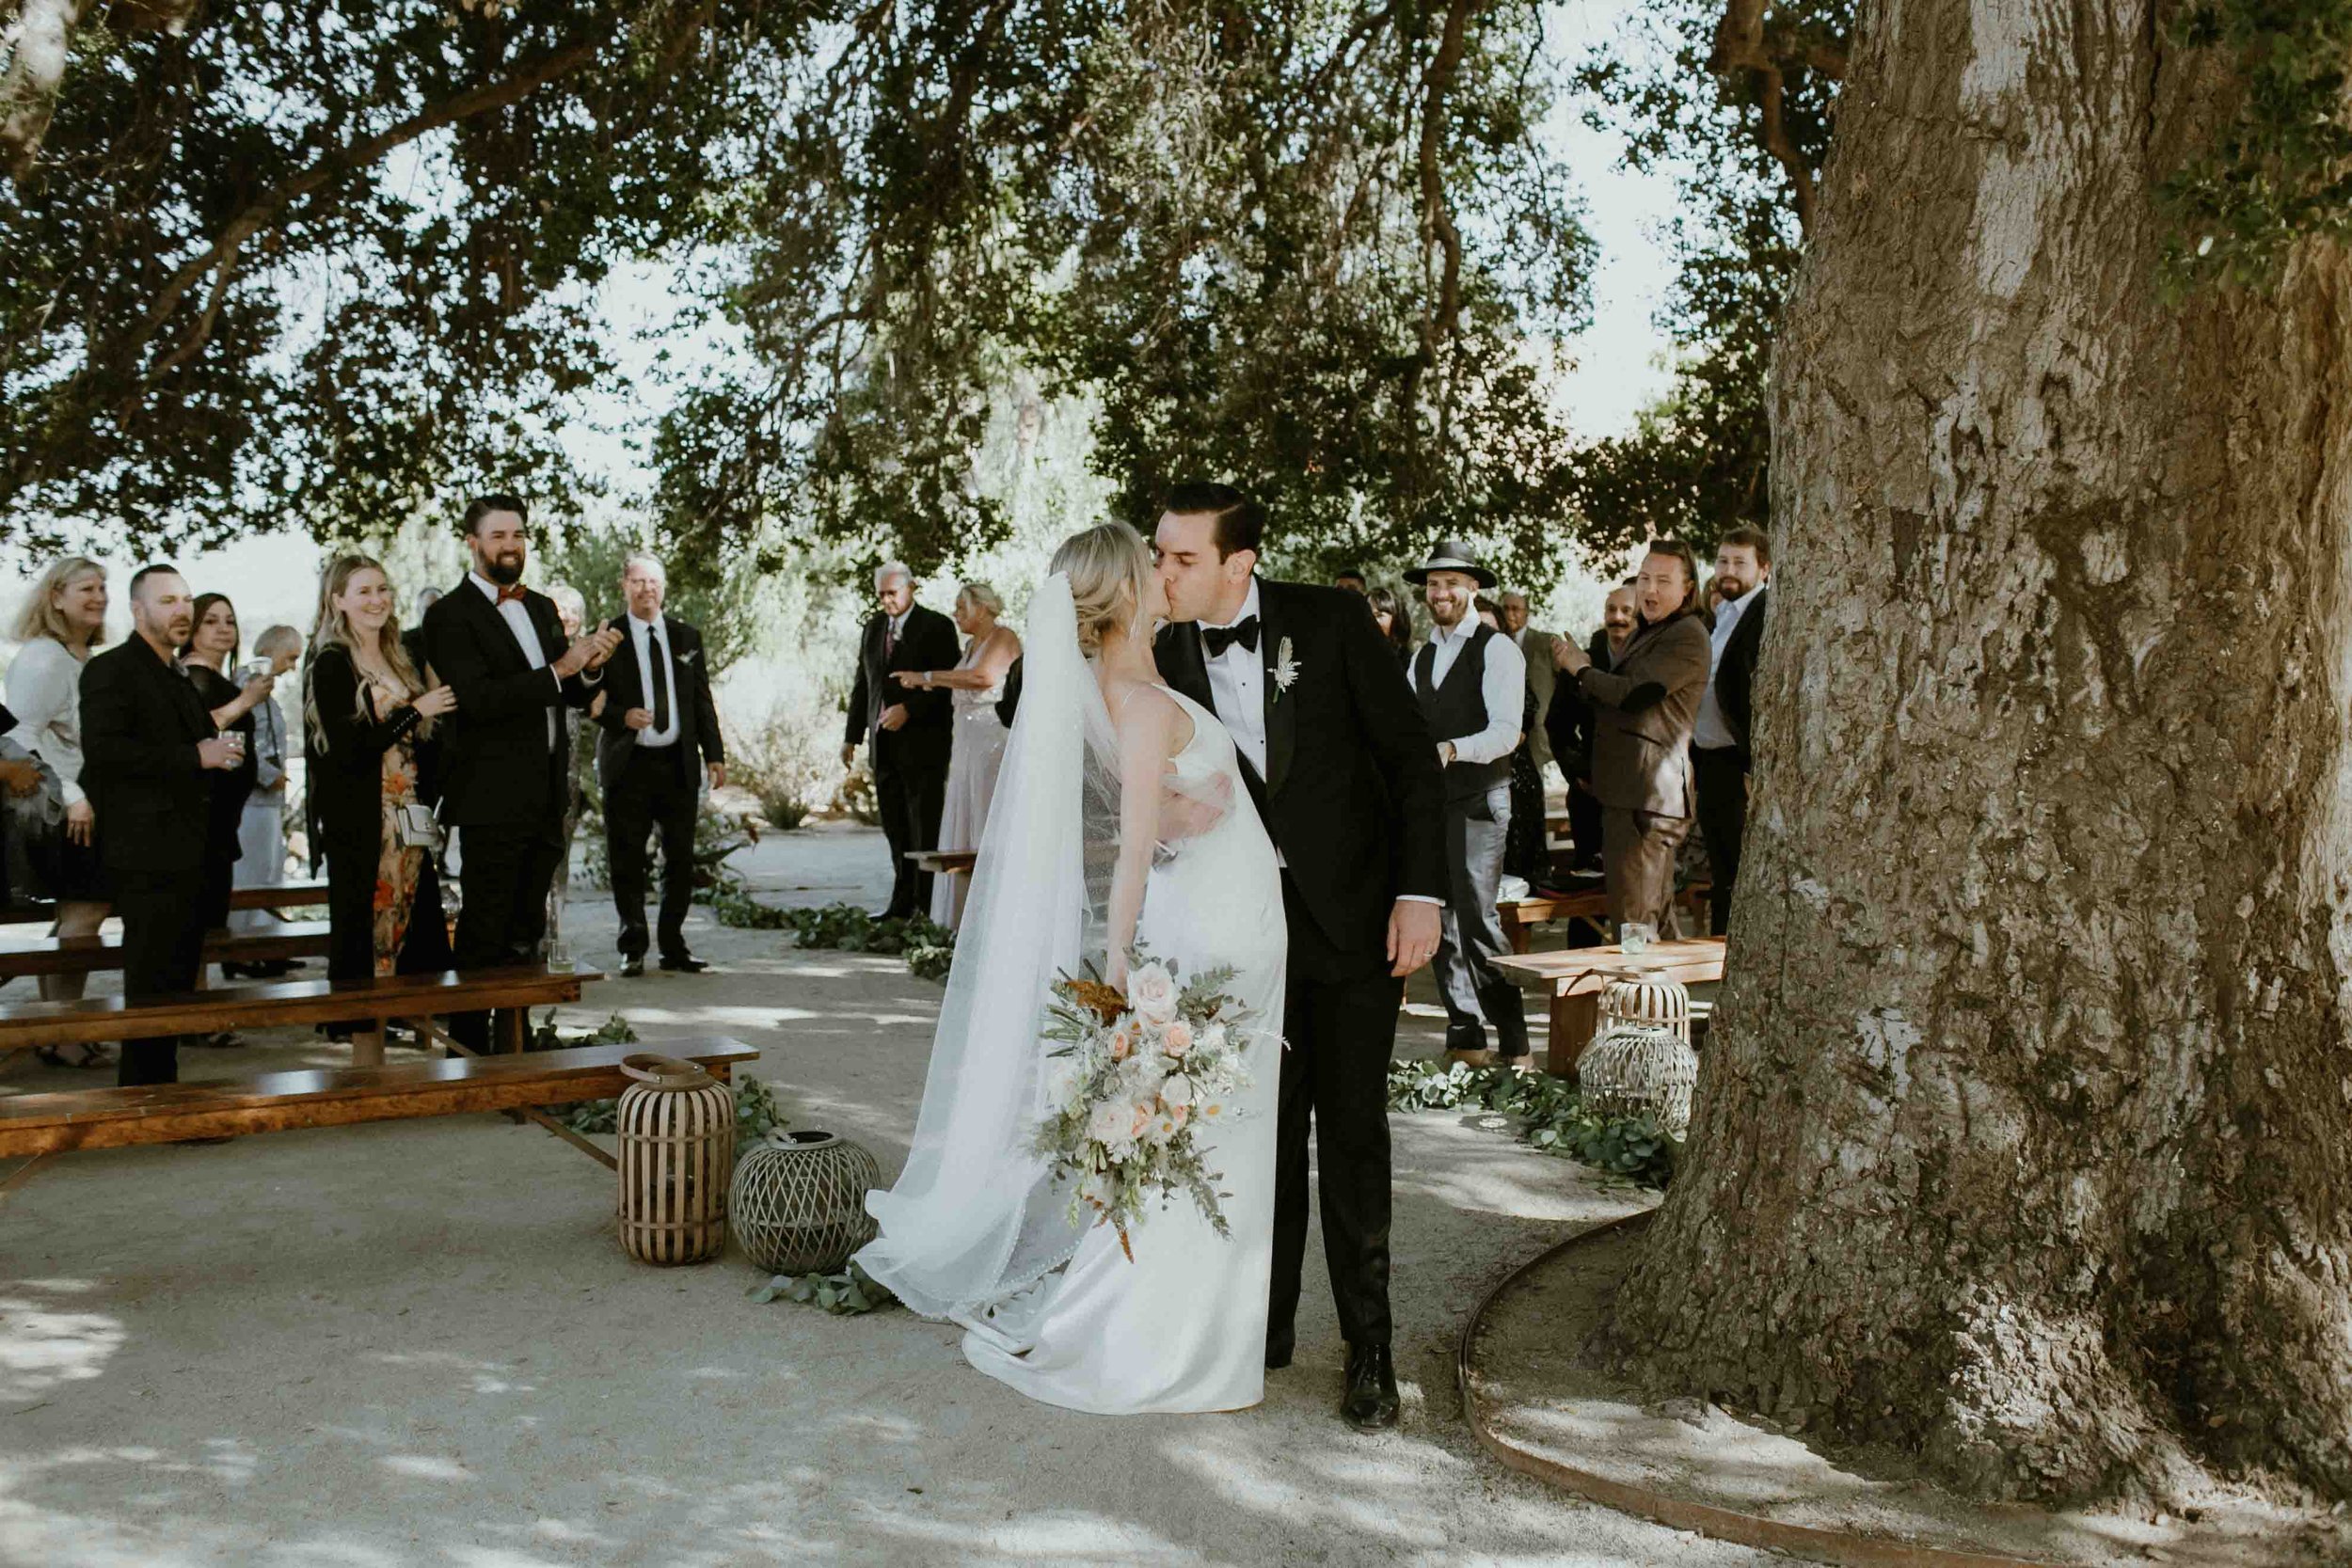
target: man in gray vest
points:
(1471, 682)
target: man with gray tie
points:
(661, 740)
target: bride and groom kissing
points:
(1226, 772)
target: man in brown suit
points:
(1643, 713)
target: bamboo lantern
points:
(1644, 997)
(1633, 1068)
(799, 1204)
(677, 1125)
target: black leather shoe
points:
(633, 966)
(1369, 1403)
(1278, 1355)
(684, 964)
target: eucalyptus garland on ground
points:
(757, 1112)
(927, 946)
(844, 1294)
(1553, 1116)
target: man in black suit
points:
(1341, 768)
(146, 742)
(1719, 742)
(659, 734)
(909, 728)
(1569, 724)
(506, 752)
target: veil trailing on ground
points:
(976, 1217)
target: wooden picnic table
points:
(1574, 978)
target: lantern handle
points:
(656, 1070)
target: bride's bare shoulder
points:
(1148, 715)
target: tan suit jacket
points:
(1535, 646)
(1643, 714)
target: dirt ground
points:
(418, 1342)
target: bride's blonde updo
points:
(1109, 568)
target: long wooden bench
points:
(277, 895)
(401, 998)
(1575, 976)
(293, 939)
(41, 1126)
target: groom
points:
(1338, 761)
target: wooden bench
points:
(277, 896)
(1575, 976)
(295, 938)
(38, 1127)
(1521, 916)
(403, 998)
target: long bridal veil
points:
(975, 1216)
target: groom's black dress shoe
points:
(686, 963)
(1369, 1403)
(632, 966)
(1278, 1355)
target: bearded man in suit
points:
(910, 730)
(1720, 751)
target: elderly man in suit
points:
(1535, 648)
(1719, 740)
(660, 742)
(506, 752)
(1643, 712)
(148, 744)
(910, 730)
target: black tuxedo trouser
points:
(1721, 773)
(1584, 825)
(1339, 1018)
(1470, 932)
(163, 950)
(911, 797)
(653, 793)
(504, 874)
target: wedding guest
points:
(149, 751)
(1570, 723)
(1353, 580)
(1535, 648)
(1395, 621)
(207, 658)
(660, 742)
(1485, 608)
(911, 732)
(1643, 711)
(63, 619)
(1473, 687)
(261, 829)
(27, 807)
(1719, 752)
(367, 714)
(975, 688)
(571, 610)
(505, 772)
(413, 639)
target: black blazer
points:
(624, 687)
(231, 786)
(926, 641)
(499, 767)
(141, 720)
(1351, 794)
(1569, 723)
(345, 747)
(1734, 673)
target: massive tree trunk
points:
(2023, 1137)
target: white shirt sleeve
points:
(45, 695)
(1504, 687)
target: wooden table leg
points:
(1516, 930)
(512, 1024)
(367, 1046)
(1573, 1021)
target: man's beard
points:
(505, 570)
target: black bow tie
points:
(1217, 639)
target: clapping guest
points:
(261, 830)
(571, 609)
(1571, 721)
(975, 687)
(1472, 689)
(1394, 618)
(151, 748)
(909, 732)
(62, 621)
(366, 713)
(208, 657)
(1643, 713)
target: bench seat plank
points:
(98, 1019)
(40, 1124)
(297, 939)
(276, 895)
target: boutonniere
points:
(1285, 669)
(689, 655)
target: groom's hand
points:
(1412, 935)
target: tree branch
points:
(1742, 42)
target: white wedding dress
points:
(975, 1230)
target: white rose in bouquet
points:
(1176, 1091)
(1151, 992)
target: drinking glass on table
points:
(1634, 936)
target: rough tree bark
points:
(2023, 1137)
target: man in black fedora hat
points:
(1471, 682)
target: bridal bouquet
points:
(1139, 1074)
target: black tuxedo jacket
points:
(926, 641)
(498, 766)
(141, 719)
(1351, 794)
(1569, 723)
(1734, 673)
(626, 686)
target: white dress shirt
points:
(1503, 684)
(1237, 684)
(1712, 732)
(518, 619)
(648, 638)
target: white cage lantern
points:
(1645, 997)
(1633, 1068)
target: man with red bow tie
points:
(505, 764)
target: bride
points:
(1114, 824)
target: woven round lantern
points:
(1633, 1068)
(677, 1125)
(1645, 997)
(800, 1201)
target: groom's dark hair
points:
(1240, 521)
